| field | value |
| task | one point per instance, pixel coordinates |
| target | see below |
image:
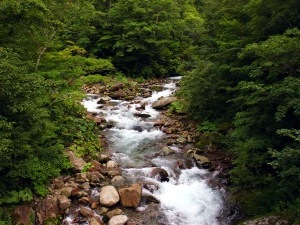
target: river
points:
(185, 197)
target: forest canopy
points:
(240, 62)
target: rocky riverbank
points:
(98, 191)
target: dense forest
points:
(240, 62)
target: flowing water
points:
(187, 198)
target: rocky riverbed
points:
(150, 171)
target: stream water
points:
(186, 198)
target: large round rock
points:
(118, 220)
(109, 196)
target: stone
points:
(117, 181)
(63, 202)
(67, 191)
(118, 220)
(86, 212)
(160, 104)
(104, 99)
(77, 162)
(202, 161)
(113, 213)
(166, 151)
(142, 115)
(149, 197)
(160, 174)
(131, 196)
(95, 221)
(109, 196)
(111, 164)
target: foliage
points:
(245, 72)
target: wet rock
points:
(63, 202)
(160, 174)
(202, 161)
(131, 196)
(109, 196)
(117, 181)
(67, 191)
(160, 104)
(95, 221)
(111, 164)
(149, 197)
(113, 213)
(166, 151)
(22, 214)
(104, 99)
(118, 220)
(77, 162)
(137, 128)
(142, 115)
(86, 212)
(270, 220)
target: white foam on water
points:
(128, 140)
(189, 201)
(91, 104)
(156, 95)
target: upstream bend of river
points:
(187, 198)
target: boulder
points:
(202, 161)
(86, 212)
(131, 196)
(166, 151)
(160, 104)
(104, 99)
(142, 115)
(160, 174)
(111, 164)
(109, 196)
(149, 197)
(63, 202)
(77, 162)
(118, 220)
